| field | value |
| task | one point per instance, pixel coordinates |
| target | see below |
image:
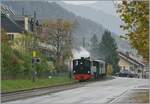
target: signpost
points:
(34, 54)
(35, 60)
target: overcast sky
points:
(79, 2)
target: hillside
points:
(46, 10)
(99, 16)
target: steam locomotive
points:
(85, 69)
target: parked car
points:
(126, 73)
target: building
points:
(128, 63)
(16, 25)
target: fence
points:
(42, 74)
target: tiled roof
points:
(9, 24)
(130, 59)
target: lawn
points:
(22, 84)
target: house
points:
(16, 25)
(127, 62)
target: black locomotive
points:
(85, 69)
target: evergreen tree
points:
(108, 51)
(94, 46)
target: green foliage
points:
(6, 59)
(14, 64)
(42, 66)
(135, 15)
(17, 58)
(108, 50)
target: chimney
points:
(26, 23)
(35, 15)
(22, 11)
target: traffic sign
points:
(34, 54)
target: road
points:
(100, 92)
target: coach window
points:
(94, 63)
(102, 65)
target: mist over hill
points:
(95, 13)
(50, 10)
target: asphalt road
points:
(100, 92)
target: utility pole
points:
(33, 66)
(83, 42)
(22, 11)
(70, 71)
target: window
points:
(75, 63)
(10, 37)
(102, 66)
(87, 63)
(94, 63)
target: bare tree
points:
(60, 38)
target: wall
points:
(124, 63)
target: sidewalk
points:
(138, 95)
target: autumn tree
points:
(60, 38)
(135, 15)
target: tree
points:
(25, 43)
(94, 46)
(16, 57)
(60, 38)
(135, 15)
(9, 59)
(108, 50)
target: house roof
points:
(9, 24)
(131, 60)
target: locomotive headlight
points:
(74, 71)
(88, 71)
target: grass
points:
(23, 84)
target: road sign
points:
(36, 60)
(33, 53)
